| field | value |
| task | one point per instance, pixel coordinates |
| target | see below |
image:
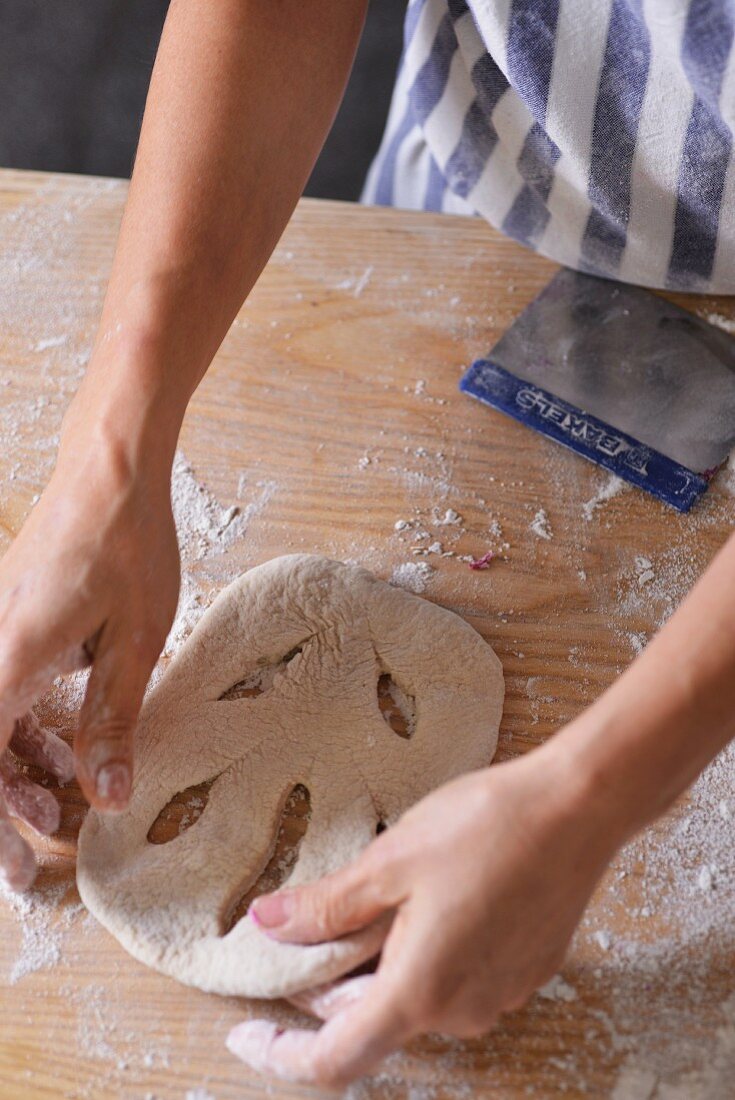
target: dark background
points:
(74, 75)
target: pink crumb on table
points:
(483, 562)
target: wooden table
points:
(336, 389)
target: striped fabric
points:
(598, 132)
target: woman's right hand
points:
(92, 579)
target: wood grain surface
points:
(330, 413)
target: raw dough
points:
(316, 722)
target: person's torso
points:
(598, 132)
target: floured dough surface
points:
(312, 639)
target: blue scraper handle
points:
(585, 434)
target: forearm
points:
(649, 736)
(242, 96)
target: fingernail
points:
(113, 785)
(271, 910)
(252, 1042)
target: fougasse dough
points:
(315, 636)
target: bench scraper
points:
(621, 376)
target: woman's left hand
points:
(487, 879)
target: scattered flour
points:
(634, 1084)
(540, 525)
(116, 1047)
(557, 990)
(355, 284)
(412, 575)
(644, 571)
(685, 872)
(201, 521)
(610, 488)
(712, 1081)
(449, 519)
(42, 926)
(205, 528)
(97, 1026)
(51, 342)
(363, 281)
(720, 321)
(638, 641)
(603, 939)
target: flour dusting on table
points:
(43, 924)
(540, 525)
(205, 530)
(412, 575)
(643, 1007)
(611, 487)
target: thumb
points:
(335, 905)
(104, 742)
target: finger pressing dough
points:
(312, 639)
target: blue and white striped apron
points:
(598, 132)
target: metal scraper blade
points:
(621, 376)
